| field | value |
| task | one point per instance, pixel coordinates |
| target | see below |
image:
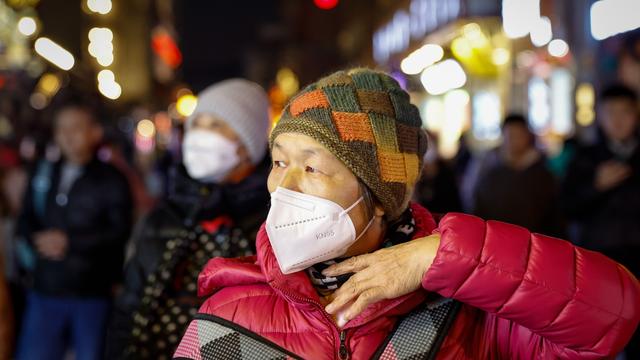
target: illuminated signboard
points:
(612, 17)
(423, 16)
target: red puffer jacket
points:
(525, 296)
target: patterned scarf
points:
(398, 232)
(170, 297)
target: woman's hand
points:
(385, 274)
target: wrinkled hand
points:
(51, 244)
(610, 174)
(385, 274)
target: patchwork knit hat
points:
(244, 106)
(366, 120)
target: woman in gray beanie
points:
(217, 200)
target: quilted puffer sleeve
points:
(575, 302)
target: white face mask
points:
(305, 229)
(209, 156)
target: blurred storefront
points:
(617, 54)
(468, 63)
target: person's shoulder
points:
(257, 307)
(241, 299)
(151, 235)
(106, 171)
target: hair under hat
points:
(366, 120)
(244, 106)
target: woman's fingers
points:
(350, 290)
(353, 264)
(385, 274)
(365, 299)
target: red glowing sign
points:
(165, 47)
(326, 4)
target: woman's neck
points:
(370, 241)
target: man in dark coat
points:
(517, 187)
(76, 219)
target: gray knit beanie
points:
(244, 106)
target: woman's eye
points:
(309, 169)
(279, 164)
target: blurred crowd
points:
(101, 255)
(588, 193)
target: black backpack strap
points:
(211, 337)
(419, 334)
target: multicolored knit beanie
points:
(366, 120)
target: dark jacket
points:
(96, 220)
(609, 221)
(188, 206)
(525, 197)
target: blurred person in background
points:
(469, 166)
(602, 187)
(217, 201)
(518, 188)
(348, 268)
(601, 192)
(437, 188)
(76, 217)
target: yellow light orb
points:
(186, 104)
(146, 128)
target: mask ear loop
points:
(370, 221)
(365, 229)
(345, 211)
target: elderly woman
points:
(348, 268)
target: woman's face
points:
(210, 123)
(302, 164)
(214, 125)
